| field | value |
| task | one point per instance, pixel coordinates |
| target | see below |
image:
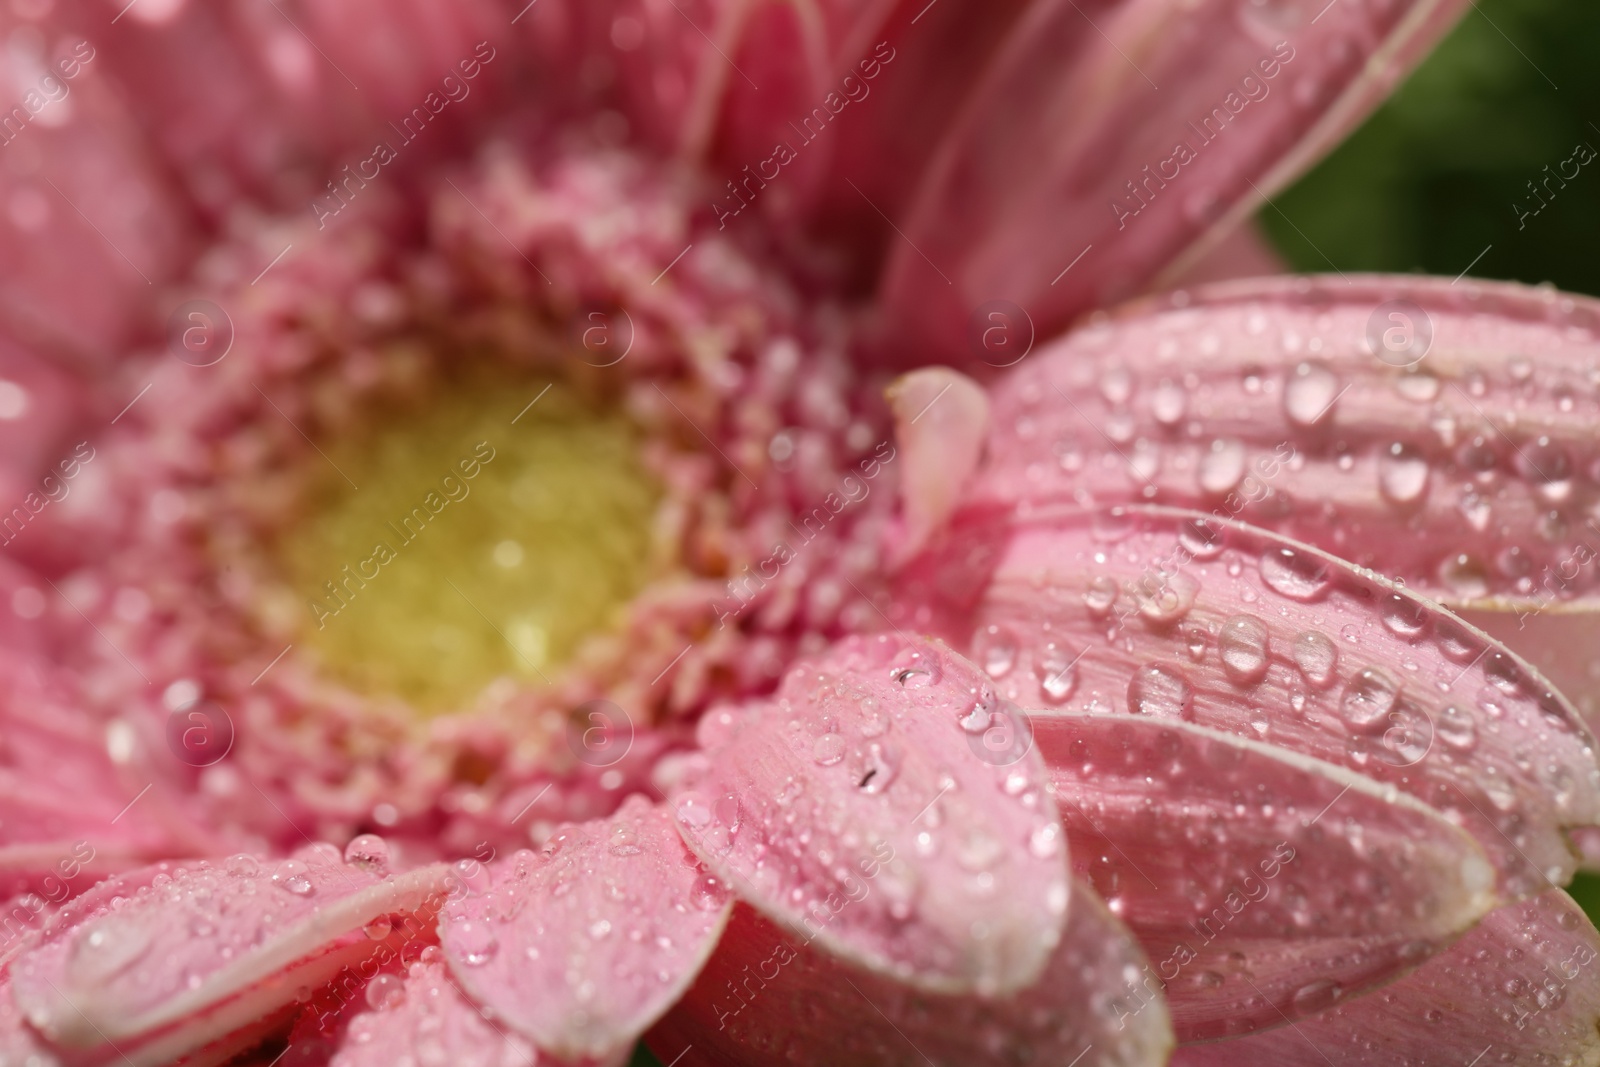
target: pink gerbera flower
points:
(485, 581)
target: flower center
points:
(455, 546)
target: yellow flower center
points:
(453, 546)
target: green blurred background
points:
(1431, 180)
(1441, 172)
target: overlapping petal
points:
(167, 960)
(1262, 884)
(1178, 615)
(1105, 138)
(767, 997)
(866, 807)
(1441, 433)
(582, 946)
(1520, 984)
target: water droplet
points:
(293, 876)
(1465, 576)
(1543, 462)
(1309, 394)
(1222, 467)
(1057, 673)
(1368, 699)
(1168, 403)
(368, 850)
(1243, 648)
(1171, 601)
(1317, 996)
(1419, 386)
(709, 894)
(475, 942)
(828, 749)
(1100, 596)
(1045, 841)
(1294, 573)
(877, 769)
(599, 929)
(385, 991)
(1455, 728)
(1201, 539)
(1403, 616)
(378, 928)
(1316, 656)
(999, 651)
(1403, 474)
(1161, 690)
(624, 840)
(693, 811)
(473, 876)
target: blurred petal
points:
(1176, 615)
(1121, 132)
(190, 956)
(1520, 984)
(584, 946)
(1442, 434)
(1266, 884)
(92, 222)
(767, 998)
(423, 1018)
(862, 806)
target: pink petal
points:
(1070, 146)
(423, 1018)
(76, 801)
(1176, 615)
(941, 419)
(583, 946)
(170, 960)
(1461, 464)
(93, 223)
(1242, 253)
(886, 802)
(767, 998)
(1517, 988)
(1263, 884)
(40, 404)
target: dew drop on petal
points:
(1316, 656)
(1402, 474)
(368, 850)
(1295, 573)
(1243, 648)
(1368, 699)
(385, 991)
(1309, 394)
(293, 876)
(1160, 690)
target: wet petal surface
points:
(889, 804)
(1519, 988)
(423, 1018)
(583, 945)
(1261, 883)
(769, 998)
(205, 950)
(1174, 615)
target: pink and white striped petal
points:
(1442, 434)
(768, 997)
(888, 803)
(1518, 988)
(1105, 138)
(1177, 615)
(167, 960)
(582, 946)
(1264, 884)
